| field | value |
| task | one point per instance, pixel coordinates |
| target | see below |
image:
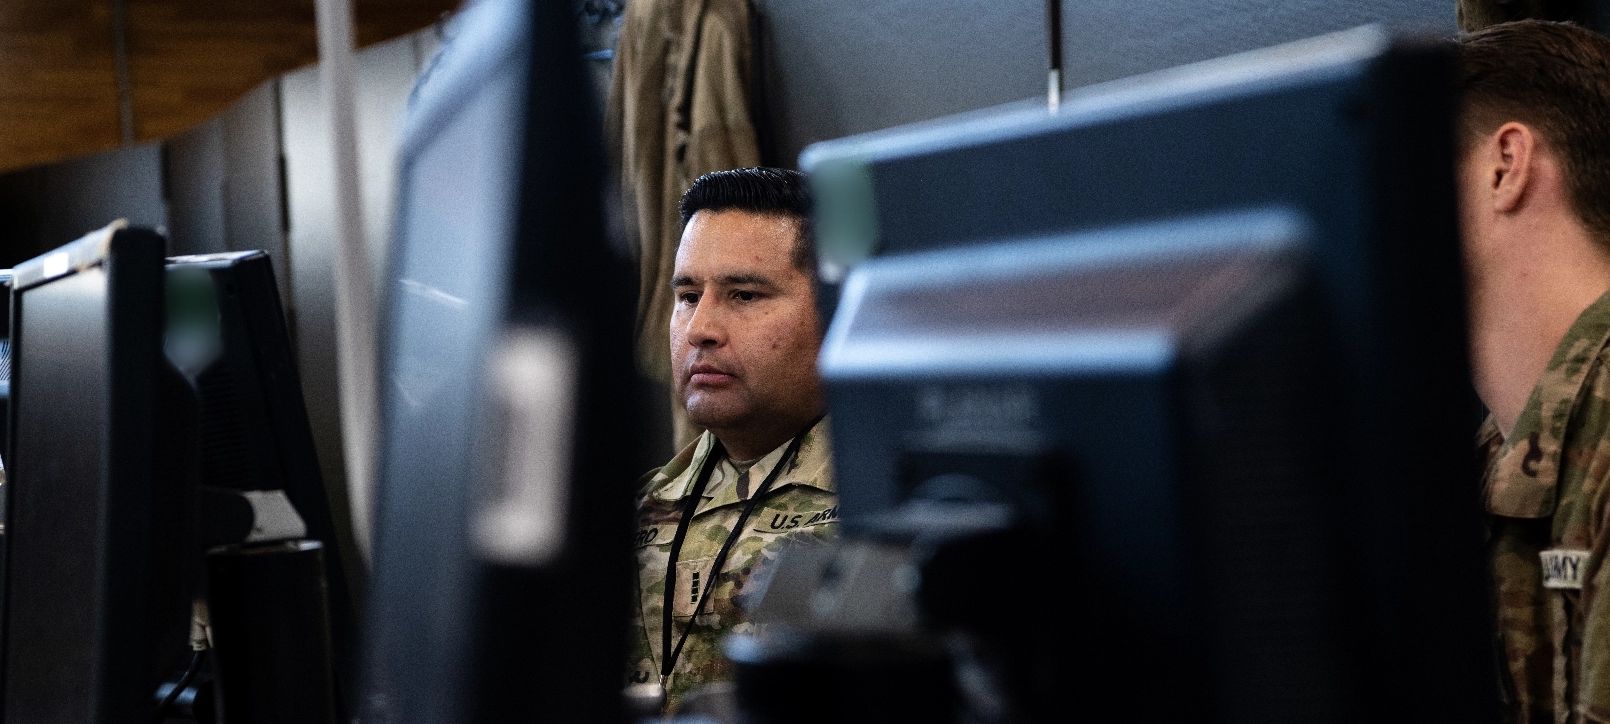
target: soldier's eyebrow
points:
(729, 280)
(748, 280)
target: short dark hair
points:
(774, 191)
(1554, 77)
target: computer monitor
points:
(226, 332)
(1204, 329)
(5, 367)
(501, 566)
(98, 585)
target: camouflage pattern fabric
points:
(1545, 486)
(801, 506)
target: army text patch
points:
(1562, 568)
(780, 521)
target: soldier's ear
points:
(1511, 159)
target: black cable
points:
(1053, 27)
(189, 675)
(668, 655)
(690, 505)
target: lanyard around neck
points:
(668, 655)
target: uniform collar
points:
(812, 467)
(1523, 476)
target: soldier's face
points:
(744, 330)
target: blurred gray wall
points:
(224, 186)
(44, 207)
(385, 76)
(834, 68)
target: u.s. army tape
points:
(1562, 568)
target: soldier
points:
(744, 340)
(1534, 185)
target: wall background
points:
(834, 68)
(385, 75)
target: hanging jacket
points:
(679, 108)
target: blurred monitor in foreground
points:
(502, 569)
(1162, 397)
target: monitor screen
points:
(61, 431)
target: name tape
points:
(1562, 568)
(651, 536)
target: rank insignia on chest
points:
(693, 580)
(1562, 568)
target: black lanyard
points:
(668, 655)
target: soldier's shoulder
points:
(1601, 358)
(1586, 463)
(1593, 403)
(663, 475)
(813, 465)
(647, 482)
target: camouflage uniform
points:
(801, 506)
(1546, 488)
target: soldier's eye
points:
(744, 296)
(689, 298)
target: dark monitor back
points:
(1153, 402)
(97, 608)
(226, 331)
(1349, 134)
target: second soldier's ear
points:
(1509, 155)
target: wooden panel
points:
(189, 59)
(380, 20)
(58, 96)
